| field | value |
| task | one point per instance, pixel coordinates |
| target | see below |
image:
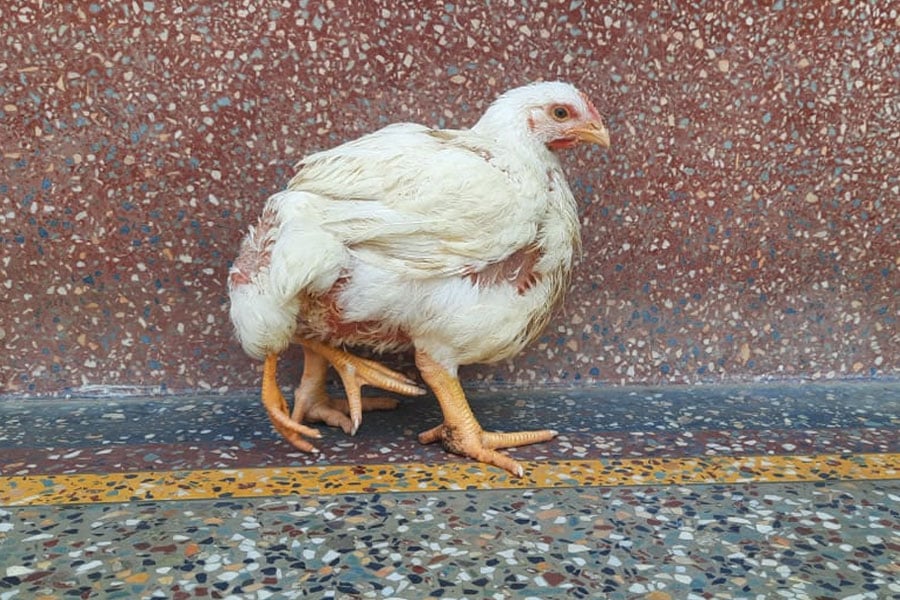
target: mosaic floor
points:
(758, 492)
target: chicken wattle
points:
(454, 243)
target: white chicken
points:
(455, 243)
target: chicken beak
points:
(593, 132)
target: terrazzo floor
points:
(755, 492)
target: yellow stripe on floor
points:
(87, 488)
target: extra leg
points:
(311, 401)
(354, 372)
(313, 405)
(276, 406)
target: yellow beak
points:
(593, 132)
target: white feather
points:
(262, 323)
(305, 257)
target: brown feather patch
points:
(255, 252)
(329, 319)
(517, 269)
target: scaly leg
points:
(460, 432)
(356, 372)
(313, 405)
(276, 406)
(311, 400)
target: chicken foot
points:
(460, 433)
(311, 401)
(276, 406)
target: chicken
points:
(456, 244)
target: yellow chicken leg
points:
(276, 406)
(312, 403)
(460, 432)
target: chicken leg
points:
(460, 432)
(311, 401)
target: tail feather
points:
(287, 253)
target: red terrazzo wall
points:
(743, 225)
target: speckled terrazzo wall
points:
(743, 225)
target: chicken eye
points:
(560, 113)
